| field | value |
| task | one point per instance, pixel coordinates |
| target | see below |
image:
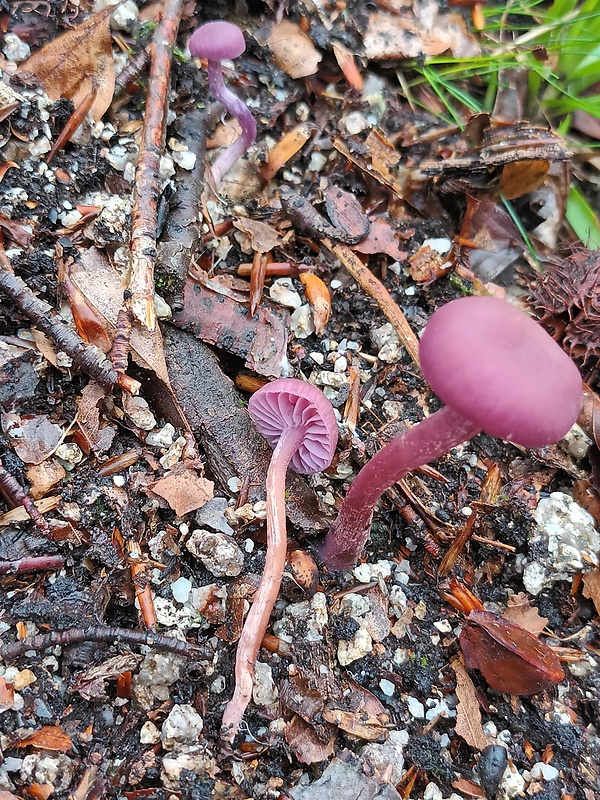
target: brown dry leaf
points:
(183, 490)
(50, 737)
(33, 438)
(427, 265)
(305, 744)
(521, 612)
(19, 514)
(88, 418)
(101, 285)
(42, 477)
(591, 582)
(367, 719)
(425, 32)
(468, 713)
(292, 50)
(521, 177)
(382, 238)
(76, 63)
(346, 213)
(468, 788)
(319, 299)
(91, 683)
(377, 158)
(7, 695)
(263, 238)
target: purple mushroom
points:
(497, 371)
(216, 41)
(297, 420)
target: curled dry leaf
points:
(76, 63)
(183, 490)
(97, 438)
(521, 612)
(468, 713)
(346, 213)
(286, 148)
(292, 50)
(263, 237)
(521, 177)
(319, 298)
(591, 583)
(50, 737)
(305, 742)
(510, 658)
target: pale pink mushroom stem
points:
(266, 595)
(298, 421)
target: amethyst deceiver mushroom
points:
(298, 421)
(216, 41)
(497, 371)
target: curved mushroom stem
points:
(431, 438)
(266, 594)
(238, 109)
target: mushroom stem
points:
(266, 594)
(238, 109)
(431, 438)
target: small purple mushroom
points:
(497, 371)
(297, 420)
(216, 41)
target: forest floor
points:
(132, 534)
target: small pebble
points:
(415, 707)
(387, 687)
(545, 772)
(181, 589)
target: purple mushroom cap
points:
(289, 403)
(217, 40)
(499, 368)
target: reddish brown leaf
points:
(76, 63)
(381, 239)
(292, 50)
(50, 737)
(346, 213)
(183, 490)
(509, 657)
(521, 612)
(319, 298)
(305, 744)
(591, 581)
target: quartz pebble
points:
(301, 322)
(163, 437)
(264, 691)
(386, 340)
(544, 772)
(415, 707)
(282, 291)
(182, 726)
(219, 553)
(149, 734)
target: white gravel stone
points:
(264, 691)
(386, 340)
(149, 733)
(163, 437)
(185, 160)
(387, 687)
(572, 540)
(432, 792)
(415, 707)
(181, 589)
(544, 772)
(282, 291)
(301, 322)
(182, 726)
(219, 553)
(15, 49)
(354, 122)
(350, 650)
(123, 17)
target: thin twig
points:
(17, 496)
(101, 633)
(41, 315)
(375, 289)
(146, 190)
(33, 564)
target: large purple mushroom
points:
(297, 420)
(216, 41)
(497, 371)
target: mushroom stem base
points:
(431, 438)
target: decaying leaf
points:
(7, 695)
(378, 158)
(42, 477)
(292, 50)
(523, 613)
(522, 177)
(33, 438)
(382, 238)
(286, 148)
(510, 658)
(101, 285)
(591, 582)
(50, 737)
(427, 265)
(76, 63)
(364, 715)
(99, 439)
(497, 241)
(306, 745)
(468, 713)
(346, 213)
(91, 683)
(184, 490)
(263, 237)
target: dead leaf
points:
(427, 265)
(365, 718)
(91, 683)
(263, 238)
(99, 439)
(378, 158)
(101, 285)
(346, 213)
(305, 744)
(33, 438)
(42, 477)
(50, 737)
(382, 238)
(319, 299)
(468, 713)
(75, 63)
(19, 514)
(591, 582)
(292, 50)
(523, 613)
(7, 695)
(468, 788)
(184, 490)
(521, 177)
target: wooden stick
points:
(375, 289)
(146, 190)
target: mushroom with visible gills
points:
(216, 41)
(298, 421)
(497, 371)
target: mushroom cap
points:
(217, 40)
(499, 368)
(290, 403)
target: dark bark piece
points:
(222, 425)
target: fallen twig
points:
(33, 564)
(102, 633)
(375, 289)
(146, 189)
(14, 492)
